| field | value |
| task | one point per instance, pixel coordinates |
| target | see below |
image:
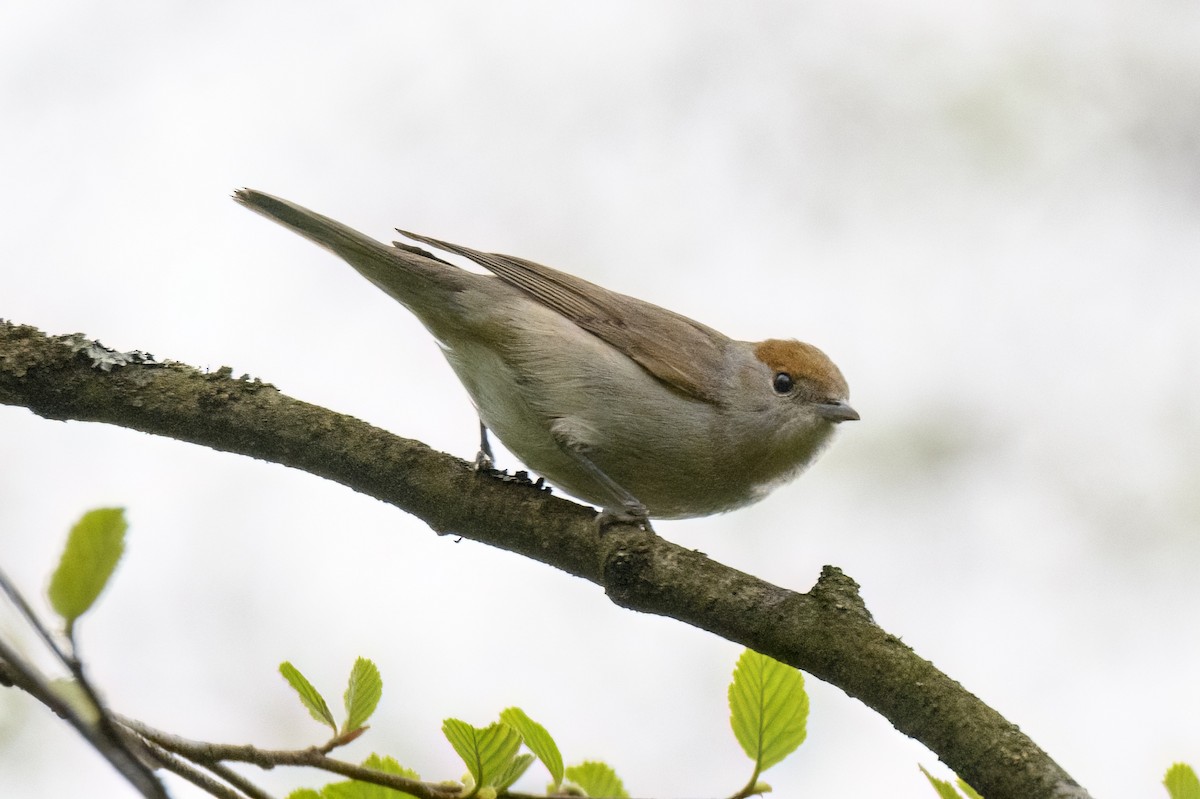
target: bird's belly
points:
(671, 463)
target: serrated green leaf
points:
(488, 752)
(516, 767)
(598, 780)
(362, 694)
(1181, 782)
(768, 709)
(94, 546)
(304, 793)
(354, 789)
(971, 793)
(538, 741)
(944, 789)
(310, 697)
(388, 765)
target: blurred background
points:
(986, 213)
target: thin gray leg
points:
(626, 509)
(485, 459)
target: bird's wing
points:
(680, 352)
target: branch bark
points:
(827, 632)
(213, 755)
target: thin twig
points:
(100, 732)
(237, 780)
(195, 776)
(31, 618)
(208, 754)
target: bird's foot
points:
(630, 512)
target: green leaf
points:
(351, 789)
(309, 696)
(768, 709)
(597, 780)
(516, 767)
(971, 793)
(362, 694)
(388, 765)
(1181, 782)
(359, 790)
(488, 752)
(355, 789)
(93, 548)
(944, 789)
(72, 693)
(538, 741)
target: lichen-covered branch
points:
(826, 632)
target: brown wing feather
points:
(679, 351)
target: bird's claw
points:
(634, 513)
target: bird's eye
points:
(783, 383)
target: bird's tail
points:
(402, 273)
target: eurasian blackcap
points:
(618, 402)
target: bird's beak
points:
(837, 411)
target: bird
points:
(620, 403)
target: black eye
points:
(783, 383)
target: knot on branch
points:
(628, 570)
(838, 591)
(20, 354)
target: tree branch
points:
(213, 755)
(826, 632)
(87, 714)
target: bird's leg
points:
(485, 459)
(628, 513)
(627, 509)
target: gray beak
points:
(837, 411)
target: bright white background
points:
(986, 213)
